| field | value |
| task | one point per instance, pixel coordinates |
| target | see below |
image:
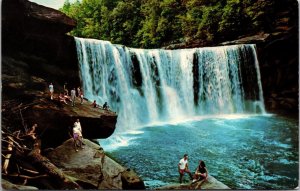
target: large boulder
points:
(92, 168)
(211, 183)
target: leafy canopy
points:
(156, 23)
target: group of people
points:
(201, 173)
(64, 96)
(105, 105)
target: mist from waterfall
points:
(155, 85)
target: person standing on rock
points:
(77, 135)
(66, 92)
(94, 104)
(81, 97)
(78, 92)
(183, 167)
(51, 89)
(73, 96)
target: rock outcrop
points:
(211, 183)
(279, 64)
(92, 168)
(36, 34)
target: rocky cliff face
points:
(35, 52)
(35, 34)
(279, 64)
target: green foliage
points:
(155, 23)
(123, 23)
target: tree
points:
(169, 25)
(155, 23)
(146, 35)
(232, 19)
(124, 25)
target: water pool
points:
(248, 152)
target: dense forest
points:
(157, 23)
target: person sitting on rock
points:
(201, 173)
(67, 98)
(77, 135)
(94, 104)
(105, 106)
(62, 98)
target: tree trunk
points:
(7, 157)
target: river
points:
(242, 151)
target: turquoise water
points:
(244, 152)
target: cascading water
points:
(146, 86)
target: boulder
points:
(92, 168)
(211, 183)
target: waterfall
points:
(155, 85)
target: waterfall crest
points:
(155, 85)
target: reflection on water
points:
(257, 152)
